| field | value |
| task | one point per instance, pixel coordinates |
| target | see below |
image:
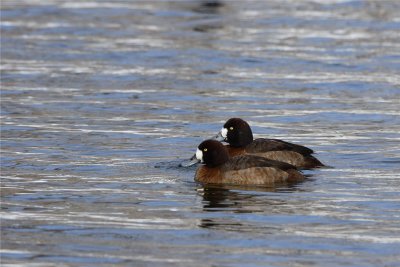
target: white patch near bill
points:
(224, 132)
(199, 155)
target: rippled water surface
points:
(101, 100)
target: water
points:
(101, 101)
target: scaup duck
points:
(219, 168)
(237, 133)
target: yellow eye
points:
(231, 128)
(205, 149)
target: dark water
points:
(101, 100)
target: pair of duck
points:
(248, 161)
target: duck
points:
(217, 167)
(237, 133)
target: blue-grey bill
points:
(189, 162)
(218, 137)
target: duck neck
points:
(243, 139)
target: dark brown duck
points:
(219, 168)
(237, 133)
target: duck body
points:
(241, 170)
(275, 149)
(237, 133)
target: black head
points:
(212, 153)
(237, 132)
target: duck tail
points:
(312, 162)
(295, 176)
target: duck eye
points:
(231, 128)
(205, 149)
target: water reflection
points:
(226, 203)
(209, 16)
(209, 7)
(241, 199)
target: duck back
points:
(264, 145)
(251, 169)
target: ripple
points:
(101, 101)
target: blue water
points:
(101, 101)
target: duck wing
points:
(261, 145)
(252, 161)
(258, 171)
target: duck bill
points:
(189, 162)
(218, 137)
